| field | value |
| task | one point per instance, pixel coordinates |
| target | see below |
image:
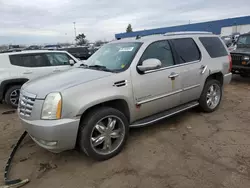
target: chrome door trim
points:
(166, 95)
(191, 87)
(158, 97)
(173, 66)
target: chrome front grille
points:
(26, 104)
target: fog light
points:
(46, 143)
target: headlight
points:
(52, 106)
(246, 58)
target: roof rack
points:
(187, 32)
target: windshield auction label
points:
(126, 49)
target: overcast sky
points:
(48, 21)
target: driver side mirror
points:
(149, 64)
(71, 62)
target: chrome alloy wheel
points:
(107, 135)
(213, 96)
(14, 97)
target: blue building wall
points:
(212, 26)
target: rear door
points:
(30, 66)
(191, 68)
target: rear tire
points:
(12, 96)
(103, 133)
(210, 98)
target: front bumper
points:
(227, 78)
(63, 133)
(239, 68)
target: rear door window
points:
(29, 60)
(214, 46)
(186, 50)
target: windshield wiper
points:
(100, 67)
(83, 65)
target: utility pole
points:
(75, 28)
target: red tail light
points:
(230, 63)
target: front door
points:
(157, 90)
(59, 61)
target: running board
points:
(162, 115)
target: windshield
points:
(114, 56)
(244, 40)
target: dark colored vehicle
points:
(81, 53)
(241, 56)
(33, 47)
(52, 47)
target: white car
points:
(16, 68)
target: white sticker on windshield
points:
(126, 49)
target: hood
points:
(60, 81)
(242, 50)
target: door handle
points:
(28, 72)
(173, 75)
(203, 68)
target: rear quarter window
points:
(213, 46)
(29, 60)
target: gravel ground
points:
(192, 149)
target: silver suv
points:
(126, 83)
(16, 68)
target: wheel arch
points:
(216, 76)
(119, 104)
(6, 84)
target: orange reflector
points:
(244, 62)
(59, 109)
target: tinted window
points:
(186, 49)
(57, 59)
(80, 49)
(29, 60)
(214, 46)
(160, 50)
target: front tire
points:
(103, 133)
(12, 96)
(211, 96)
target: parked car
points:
(52, 47)
(241, 56)
(228, 40)
(127, 83)
(16, 68)
(80, 52)
(33, 47)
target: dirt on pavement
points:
(192, 149)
